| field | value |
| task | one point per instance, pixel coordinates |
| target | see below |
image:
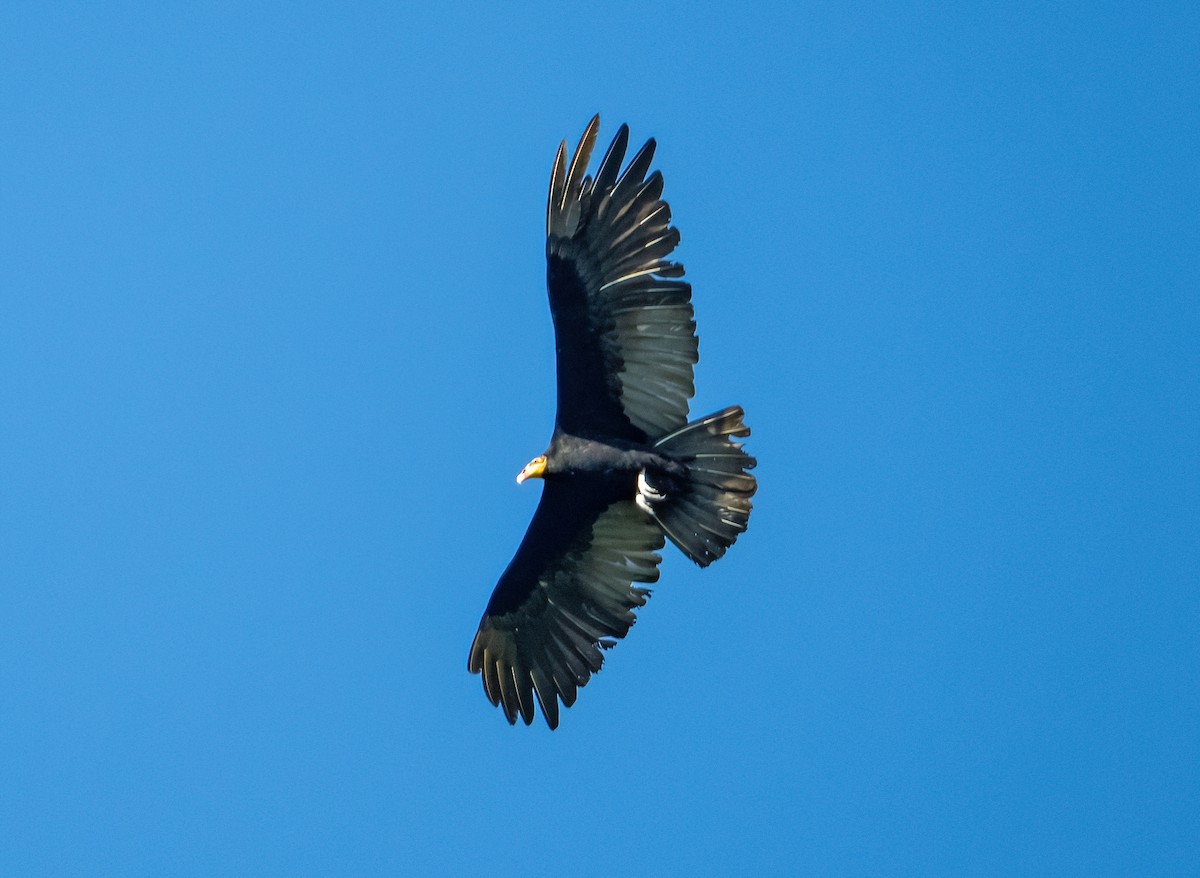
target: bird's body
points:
(624, 470)
(578, 455)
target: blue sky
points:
(274, 343)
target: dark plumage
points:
(625, 471)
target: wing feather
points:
(610, 165)
(555, 611)
(624, 324)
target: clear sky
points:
(274, 343)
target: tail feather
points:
(704, 513)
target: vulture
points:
(625, 470)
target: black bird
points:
(624, 467)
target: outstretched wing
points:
(567, 595)
(623, 322)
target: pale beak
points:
(535, 469)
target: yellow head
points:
(535, 469)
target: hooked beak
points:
(535, 469)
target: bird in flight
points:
(625, 470)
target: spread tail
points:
(704, 512)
